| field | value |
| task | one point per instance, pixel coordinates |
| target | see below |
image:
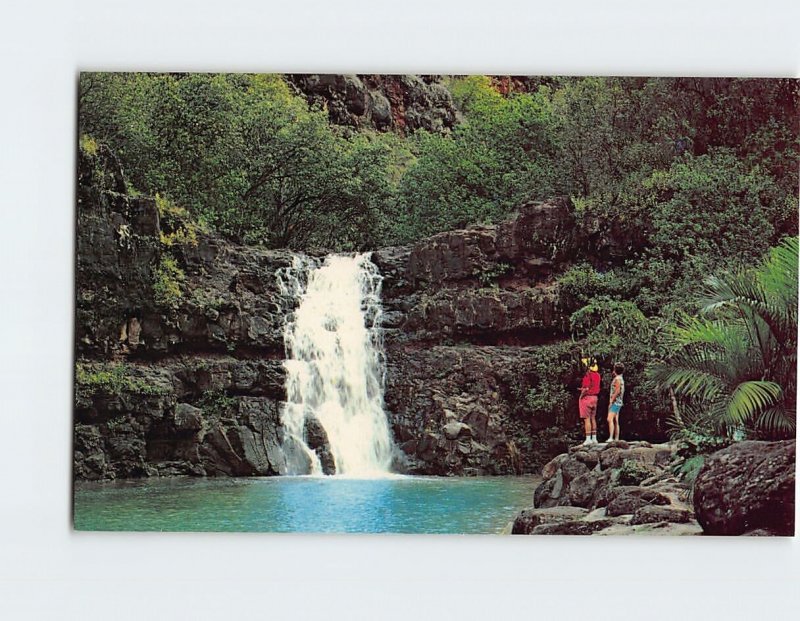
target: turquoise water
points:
(304, 504)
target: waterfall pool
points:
(395, 504)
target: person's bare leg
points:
(587, 426)
(616, 426)
(611, 421)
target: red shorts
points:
(587, 406)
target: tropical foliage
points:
(734, 364)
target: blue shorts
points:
(614, 408)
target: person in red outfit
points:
(587, 403)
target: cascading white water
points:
(334, 366)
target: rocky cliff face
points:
(400, 103)
(192, 387)
(467, 314)
(194, 384)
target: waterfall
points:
(335, 368)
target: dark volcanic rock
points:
(747, 486)
(486, 311)
(188, 417)
(430, 388)
(603, 505)
(529, 519)
(317, 441)
(629, 499)
(583, 491)
(176, 417)
(463, 313)
(398, 102)
(548, 493)
(575, 527)
(588, 476)
(231, 298)
(651, 514)
(529, 244)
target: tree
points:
(498, 157)
(736, 361)
(244, 154)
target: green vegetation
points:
(656, 164)
(88, 145)
(544, 380)
(216, 403)
(692, 450)
(489, 275)
(109, 379)
(167, 283)
(178, 228)
(499, 157)
(734, 364)
(243, 154)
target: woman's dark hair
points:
(619, 368)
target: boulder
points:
(455, 429)
(548, 493)
(188, 418)
(317, 441)
(747, 486)
(650, 514)
(628, 499)
(550, 468)
(656, 529)
(571, 469)
(582, 490)
(611, 458)
(590, 458)
(529, 519)
(574, 527)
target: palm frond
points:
(749, 399)
(737, 360)
(777, 419)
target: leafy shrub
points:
(712, 205)
(693, 447)
(109, 379)
(168, 279)
(541, 389)
(489, 275)
(687, 470)
(177, 225)
(88, 145)
(246, 155)
(609, 325)
(548, 395)
(217, 403)
(579, 284)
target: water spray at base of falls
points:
(335, 368)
